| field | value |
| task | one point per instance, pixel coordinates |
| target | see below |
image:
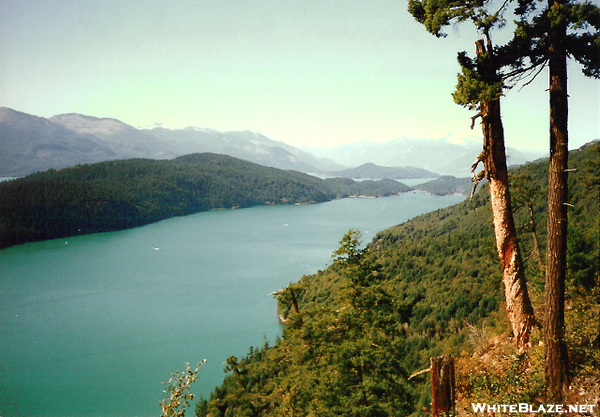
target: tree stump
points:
(442, 385)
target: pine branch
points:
(521, 73)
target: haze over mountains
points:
(30, 143)
(439, 156)
(373, 171)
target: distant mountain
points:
(246, 145)
(438, 156)
(29, 143)
(372, 171)
(126, 141)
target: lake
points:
(91, 325)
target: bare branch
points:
(419, 373)
(533, 78)
(503, 6)
(480, 114)
(521, 73)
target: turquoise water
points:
(91, 325)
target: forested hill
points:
(356, 331)
(116, 195)
(373, 171)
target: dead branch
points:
(480, 158)
(421, 372)
(533, 77)
(482, 174)
(480, 114)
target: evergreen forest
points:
(116, 195)
(355, 332)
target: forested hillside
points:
(447, 184)
(357, 330)
(117, 195)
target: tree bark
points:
(442, 385)
(294, 301)
(295, 308)
(536, 243)
(518, 305)
(556, 365)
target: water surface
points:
(91, 325)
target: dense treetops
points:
(116, 195)
(356, 331)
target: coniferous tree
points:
(547, 32)
(548, 35)
(480, 86)
(524, 195)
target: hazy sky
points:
(306, 72)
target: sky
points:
(318, 73)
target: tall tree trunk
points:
(556, 364)
(536, 243)
(518, 305)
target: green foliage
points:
(345, 187)
(499, 68)
(583, 249)
(338, 360)
(479, 79)
(535, 20)
(377, 314)
(447, 184)
(583, 329)
(473, 88)
(177, 395)
(436, 14)
(522, 191)
(349, 251)
(117, 195)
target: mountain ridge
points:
(31, 143)
(373, 171)
(438, 155)
(74, 138)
